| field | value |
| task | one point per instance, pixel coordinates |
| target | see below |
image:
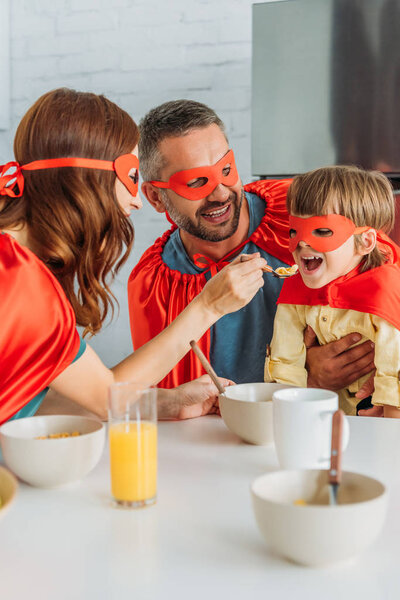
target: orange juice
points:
(133, 458)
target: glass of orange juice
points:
(132, 433)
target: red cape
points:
(38, 337)
(376, 292)
(157, 294)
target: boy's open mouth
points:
(311, 263)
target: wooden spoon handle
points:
(335, 472)
(207, 366)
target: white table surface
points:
(200, 540)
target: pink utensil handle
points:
(335, 471)
(207, 366)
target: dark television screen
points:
(326, 85)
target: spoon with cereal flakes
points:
(281, 272)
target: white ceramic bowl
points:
(51, 462)
(8, 489)
(317, 535)
(246, 409)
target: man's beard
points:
(201, 231)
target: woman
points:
(65, 232)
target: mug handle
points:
(346, 431)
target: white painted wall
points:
(5, 66)
(138, 53)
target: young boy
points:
(348, 279)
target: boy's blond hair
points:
(364, 197)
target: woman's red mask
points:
(323, 234)
(200, 182)
(122, 166)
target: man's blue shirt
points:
(238, 340)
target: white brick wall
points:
(139, 53)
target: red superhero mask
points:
(121, 166)
(224, 171)
(323, 234)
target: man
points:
(189, 172)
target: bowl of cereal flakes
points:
(297, 521)
(246, 409)
(52, 450)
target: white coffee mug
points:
(303, 427)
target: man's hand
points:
(234, 286)
(389, 412)
(336, 365)
(367, 388)
(375, 411)
(189, 400)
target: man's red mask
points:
(122, 166)
(207, 178)
(323, 234)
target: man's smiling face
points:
(215, 217)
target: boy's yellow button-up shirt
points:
(286, 363)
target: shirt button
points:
(324, 318)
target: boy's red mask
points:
(121, 166)
(209, 177)
(336, 230)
